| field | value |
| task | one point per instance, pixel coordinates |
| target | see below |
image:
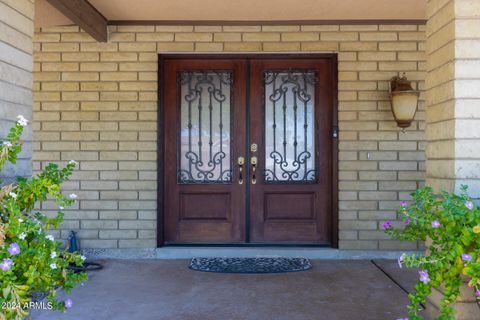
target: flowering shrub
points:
(452, 225)
(31, 261)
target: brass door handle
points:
(253, 162)
(240, 162)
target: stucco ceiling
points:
(244, 10)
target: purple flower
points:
(402, 319)
(469, 205)
(403, 203)
(477, 293)
(6, 264)
(387, 225)
(424, 276)
(68, 303)
(407, 222)
(14, 249)
(435, 224)
(466, 257)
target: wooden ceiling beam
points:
(84, 15)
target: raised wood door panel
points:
(291, 108)
(204, 103)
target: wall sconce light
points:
(404, 100)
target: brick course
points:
(97, 103)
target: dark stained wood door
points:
(291, 125)
(277, 115)
(204, 135)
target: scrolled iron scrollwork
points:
(291, 160)
(195, 87)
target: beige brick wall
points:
(453, 82)
(97, 103)
(16, 32)
(440, 110)
(453, 111)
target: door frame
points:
(333, 57)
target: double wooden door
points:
(249, 149)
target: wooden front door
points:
(249, 150)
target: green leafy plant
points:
(31, 260)
(451, 224)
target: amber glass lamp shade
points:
(404, 101)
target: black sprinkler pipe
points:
(73, 248)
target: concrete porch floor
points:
(167, 289)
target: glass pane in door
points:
(205, 151)
(289, 127)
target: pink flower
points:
(403, 203)
(477, 293)
(387, 225)
(68, 303)
(466, 257)
(435, 224)
(407, 222)
(14, 249)
(6, 264)
(469, 205)
(424, 276)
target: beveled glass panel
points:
(290, 127)
(205, 155)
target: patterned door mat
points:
(250, 265)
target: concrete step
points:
(181, 252)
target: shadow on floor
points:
(166, 289)
(404, 277)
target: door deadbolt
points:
(253, 147)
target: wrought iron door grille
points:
(289, 126)
(205, 126)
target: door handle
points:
(240, 162)
(253, 162)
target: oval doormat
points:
(250, 265)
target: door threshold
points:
(252, 245)
(186, 252)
